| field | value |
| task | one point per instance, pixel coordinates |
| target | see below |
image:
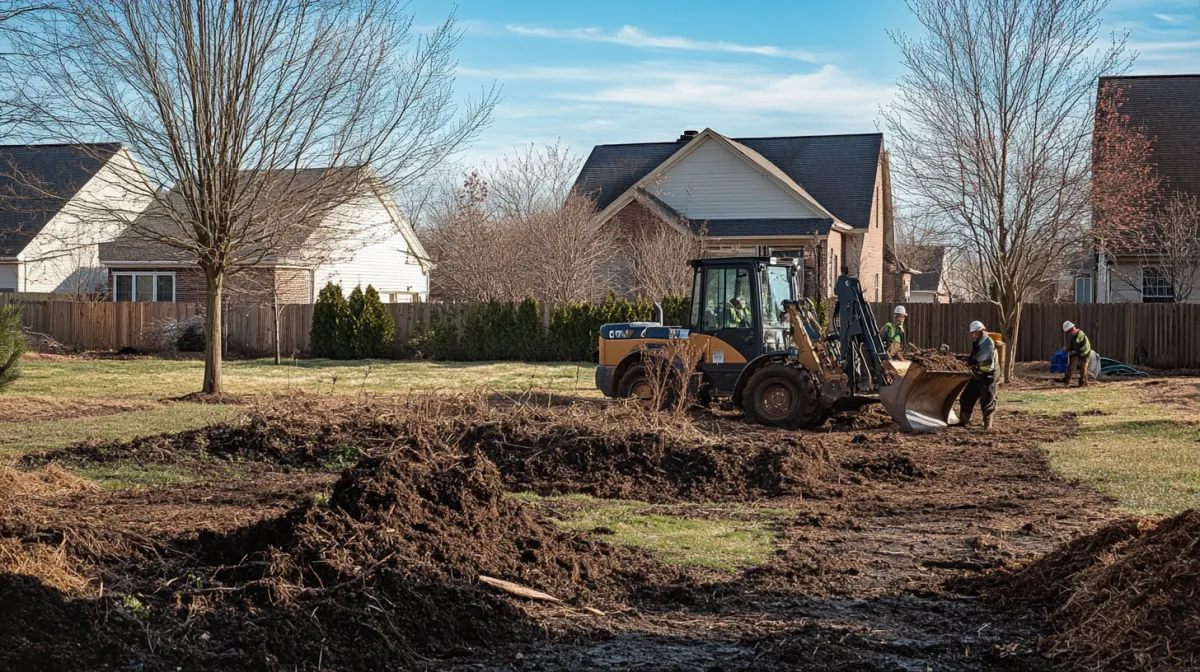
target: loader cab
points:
(738, 304)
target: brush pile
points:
(1124, 598)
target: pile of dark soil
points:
(632, 455)
(1122, 598)
(380, 574)
(934, 360)
(889, 467)
(305, 434)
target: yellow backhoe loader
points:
(761, 347)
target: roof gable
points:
(713, 178)
(36, 181)
(838, 172)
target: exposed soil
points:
(934, 360)
(303, 569)
(39, 409)
(1121, 598)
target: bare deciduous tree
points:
(992, 124)
(236, 104)
(1173, 249)
(659, 255)
(565, 251)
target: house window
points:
(1156, 287)
(144, 287)
(1083, 289)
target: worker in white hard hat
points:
(893, 332)
(982, 388)
(1079, 349)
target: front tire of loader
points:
(635, 384)
(782, 395)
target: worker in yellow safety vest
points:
(982, 388)
(893, 333)
(1079, 350)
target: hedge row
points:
(513, 331)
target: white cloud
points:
(1173, 19)
(829, 94)
(632, 36)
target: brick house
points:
(58, 203)
(383, 251)
(827, 198)
(1167, 110)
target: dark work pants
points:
(981, 390)
(1078, 363)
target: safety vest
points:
(983, 367)
(892, 332)
(1080, 344)
(736, 317)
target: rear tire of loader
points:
(782, 395)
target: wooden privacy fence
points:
(1158, 335)
(1151, 334)
(101, 325)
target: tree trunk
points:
(277, 309)
(1010, 328)
(213, 341)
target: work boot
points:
(987, 423)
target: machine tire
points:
(782, 395)
(634, 377)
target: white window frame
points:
(154, 285)
(1160, 293)
(1087, 296)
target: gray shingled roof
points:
(1167, 107)
(36, 181)
(931, 260)
(837, 170)
(293, 194)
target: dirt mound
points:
(1124, 597)
(635, 456)
(871, 416)
(414, 530)
(48, 481)
(934, 360)
(890, 467)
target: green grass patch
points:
(159, 378)
(17, 438)
(1134, 449)
(704, 542)
(122, 476)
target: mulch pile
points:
(616, 452)
(934, 360)
(1122, 598)
(380, 574)
(628, 454)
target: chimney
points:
(687, 136)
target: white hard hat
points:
(1068, 325)
(976, 326)
(900, 311)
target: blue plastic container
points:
(1058, 363)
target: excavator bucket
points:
(920, 400)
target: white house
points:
(58, 203)
(379, 249)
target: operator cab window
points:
(727, 299)
(776, 288)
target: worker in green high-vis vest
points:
(1079, 350)
(893, 333)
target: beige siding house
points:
(381, 250)
(58, 203)
(827, 198)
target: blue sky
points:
(624, 71)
